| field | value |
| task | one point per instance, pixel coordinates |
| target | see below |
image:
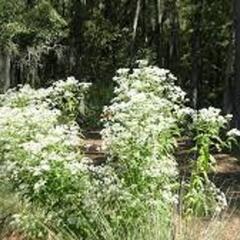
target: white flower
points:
(142, 63)
(123, 71)
(32, 147)
(143, 123)
(233, 133)
(186, 112)
(38, 185)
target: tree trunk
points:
(236, 84)
(160, 55)
(174, 41)
(5, 71)
(134, 34)
(79, 16)
(144, 22)
(196, 54)
(228, 92)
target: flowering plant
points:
(202, 196)
(141, 125)
(40, 153)
(67, 96)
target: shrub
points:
(67, 96)
(202, 197)
(40, 153)
(139, 136)
(147, 115)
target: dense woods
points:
(44, 40)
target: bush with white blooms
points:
(142, 125)
(41, 157)
(40, 144)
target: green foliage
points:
(23, 26)
(139, 136)
(202, 196)
(40, 154)
(215, 30)
(69, 97)
(99, 35)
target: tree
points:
(79, 16)
(236, 84)
(196, 51)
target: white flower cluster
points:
(210, 117)
(33, 136)
(24, 96)
(234, 133)
(69, 96)
(66, 95)
(205, 128)
(39, 154)
(149, 80)
(70, 83)
(140, 129)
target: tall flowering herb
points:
(141, 126)
(202, 197)
(68, 96)
(40, 154)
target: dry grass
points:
(226, 227)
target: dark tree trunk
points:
(236, 84)
(79, 16)
(63, 8)
(159, 37)
(5, 70)
(134, 34)
(144, 22)
(174, 41)
(228, 88)
(196, 53)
